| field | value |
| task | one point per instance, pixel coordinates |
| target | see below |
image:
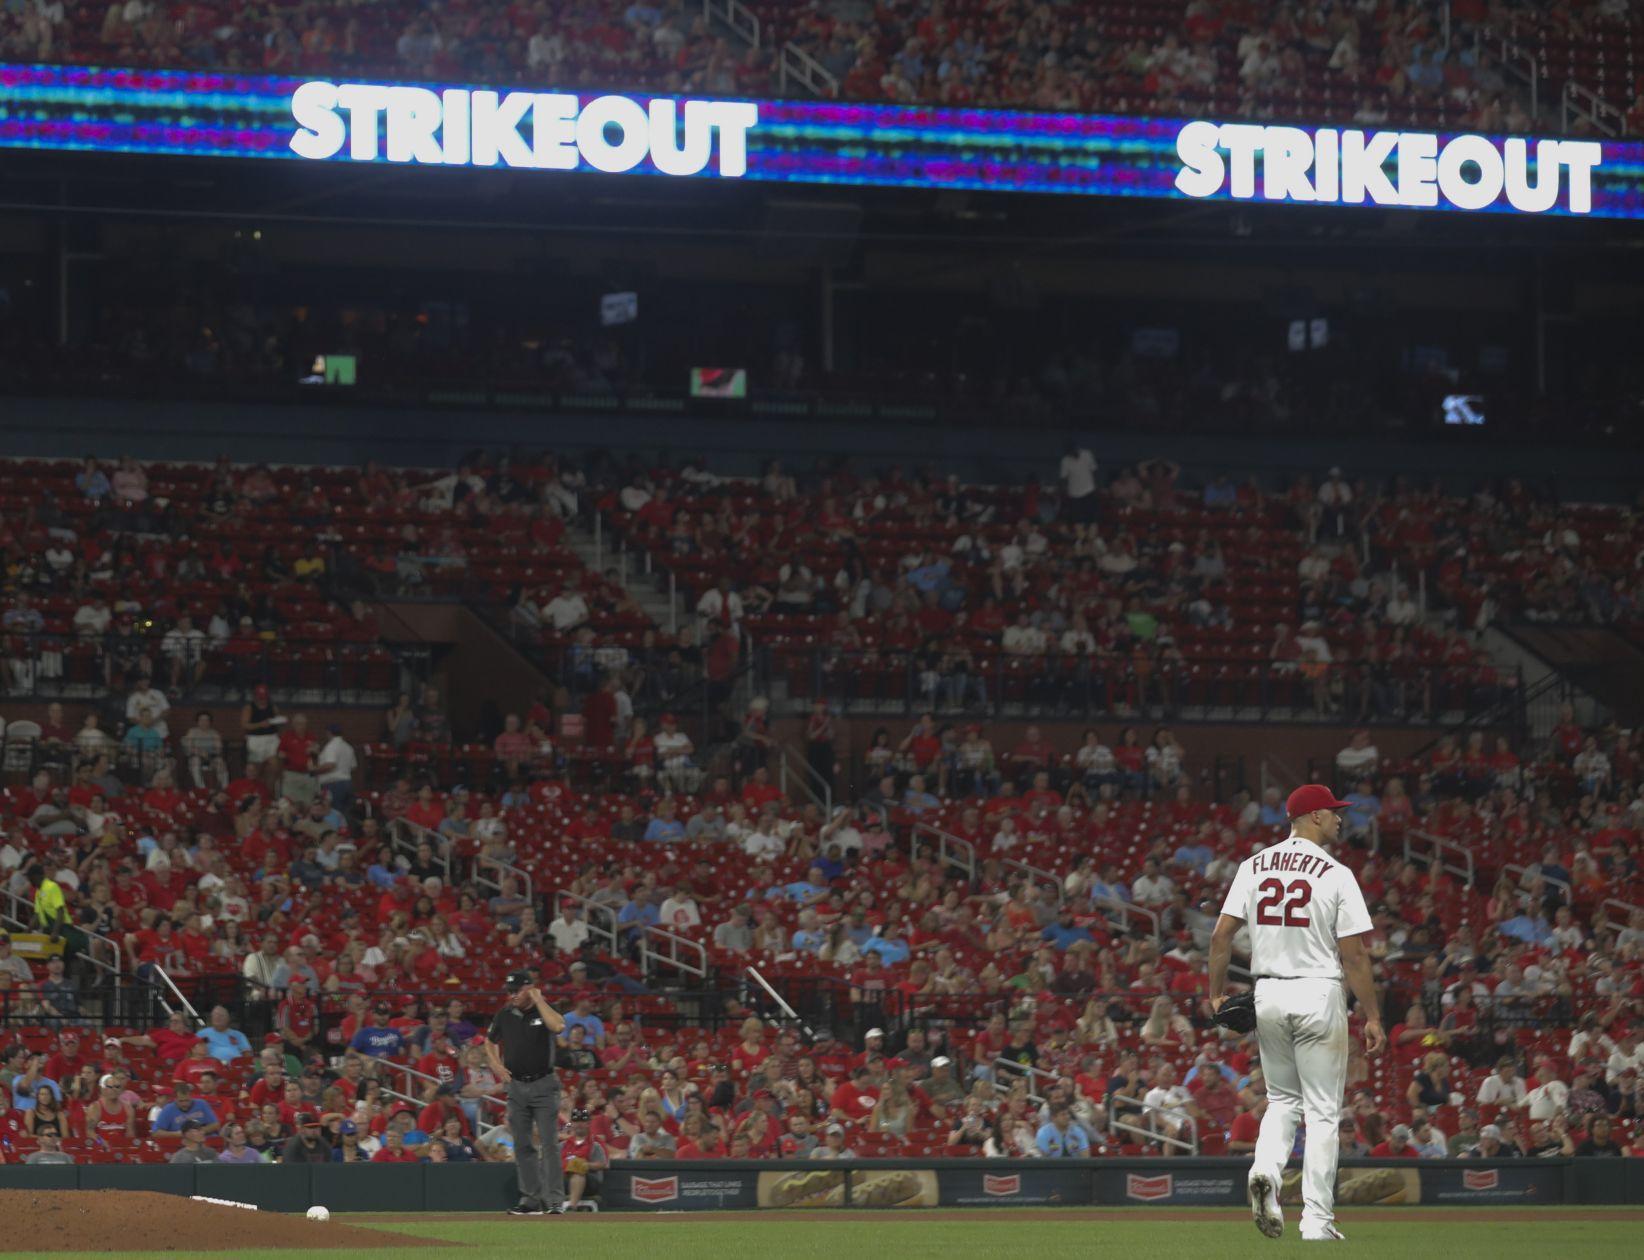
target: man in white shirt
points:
(568, 932)
(567, 610)
(335, 769)
(1503, 1088)
(1152, 886)
(1359, 759)
(1547, 1099)
(679, 909)
(1024, 638)
(1078, 474)
(1628, 1054)
(1401, 609)
(720, 603)
(1166, 1104)
(148, 696)
(182, 648)
(92, 618)
(673, 756)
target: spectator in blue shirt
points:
(184, 1106)
(811, 935)
(377, 1039)
(1272, 811)
(225, 1044)
(812, 889)
(1110, 886)
(915, 799)
(639, 913)
(1065, 932)
(1221, 493)
(930, 575)
(891, 949)
(1061, 1138)
(664, 828)
(1365, 805)
(582, 1016)
(92, 481)
(143, 736)
(1195, 855)
(1532, 929)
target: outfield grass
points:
(1509, 1234)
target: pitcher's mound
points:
(140, 1220)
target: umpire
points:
(520, 1048)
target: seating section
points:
(1334, 61)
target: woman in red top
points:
(751, 1051)
(699, 1140)
(1131, 758)
(107, 1117)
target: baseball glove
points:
(1238, 1013)
(576, 1164)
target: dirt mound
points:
(140, 1220)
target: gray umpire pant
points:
(533, 1107)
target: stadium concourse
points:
(1425, 63)
(994, 930)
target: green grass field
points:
(1136, 1234)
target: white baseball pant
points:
(1302, 1027)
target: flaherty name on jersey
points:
(1289, 861)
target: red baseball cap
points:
(1311, 796)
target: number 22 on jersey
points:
(1295, 895)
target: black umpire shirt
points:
(526, 1043)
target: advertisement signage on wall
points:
(1202, 1187)
(1511, 1183)
(670, 1191)
(210, 114)
(1013, 1186)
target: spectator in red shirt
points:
(1397, 1145)
(1033, 754)
(1241, 1134)
(759, 791)
(297, 1017)
(393, 1149)
(513, 747)
(856, 1097)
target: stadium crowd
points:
(1424, 63)
(354, 908)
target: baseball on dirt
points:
(318, 1213)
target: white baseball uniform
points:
(1298, 902)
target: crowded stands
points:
(1009, 938)
(1422, 63)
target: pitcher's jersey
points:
(1297, 902)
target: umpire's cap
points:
(519, 979)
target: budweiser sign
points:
(1147, 1189)
(654, 1189)
(1001, 1186)
(1481, 1179)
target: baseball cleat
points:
(1264, 1206)
(1329, 1233)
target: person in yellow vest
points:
(50, 906)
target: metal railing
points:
(405, 836)
(1523, 876)
(676, 951)
(1627, 911)
(1148, 1133)
(600, 918)
(1005, 1069)
(1037, 876)
(737, 17)
(1121, 911)
(504, 870)
(1463, 866)
(1576, 101)
(1208, 685)
(168, 984)
(106, 956)
(482, 1131)
(951, 850)
(798, 66)
(817, 789)
(1517, 62)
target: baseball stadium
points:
(937, 628)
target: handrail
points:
(675, 943)
(1037, 875)
(406, 836)
(795, 63)
(521, 876)
(590, 907)
(963, 852)
(1026, 1071)
(1150, 1134)
(24, 922)
(1585, 103)
(1127, 908)
(1525, 878)
(172, 985)
(810, 781)
(481, 1131)
(1466, 867)
(1627, 906)
(1521, 64)
(738, 17)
